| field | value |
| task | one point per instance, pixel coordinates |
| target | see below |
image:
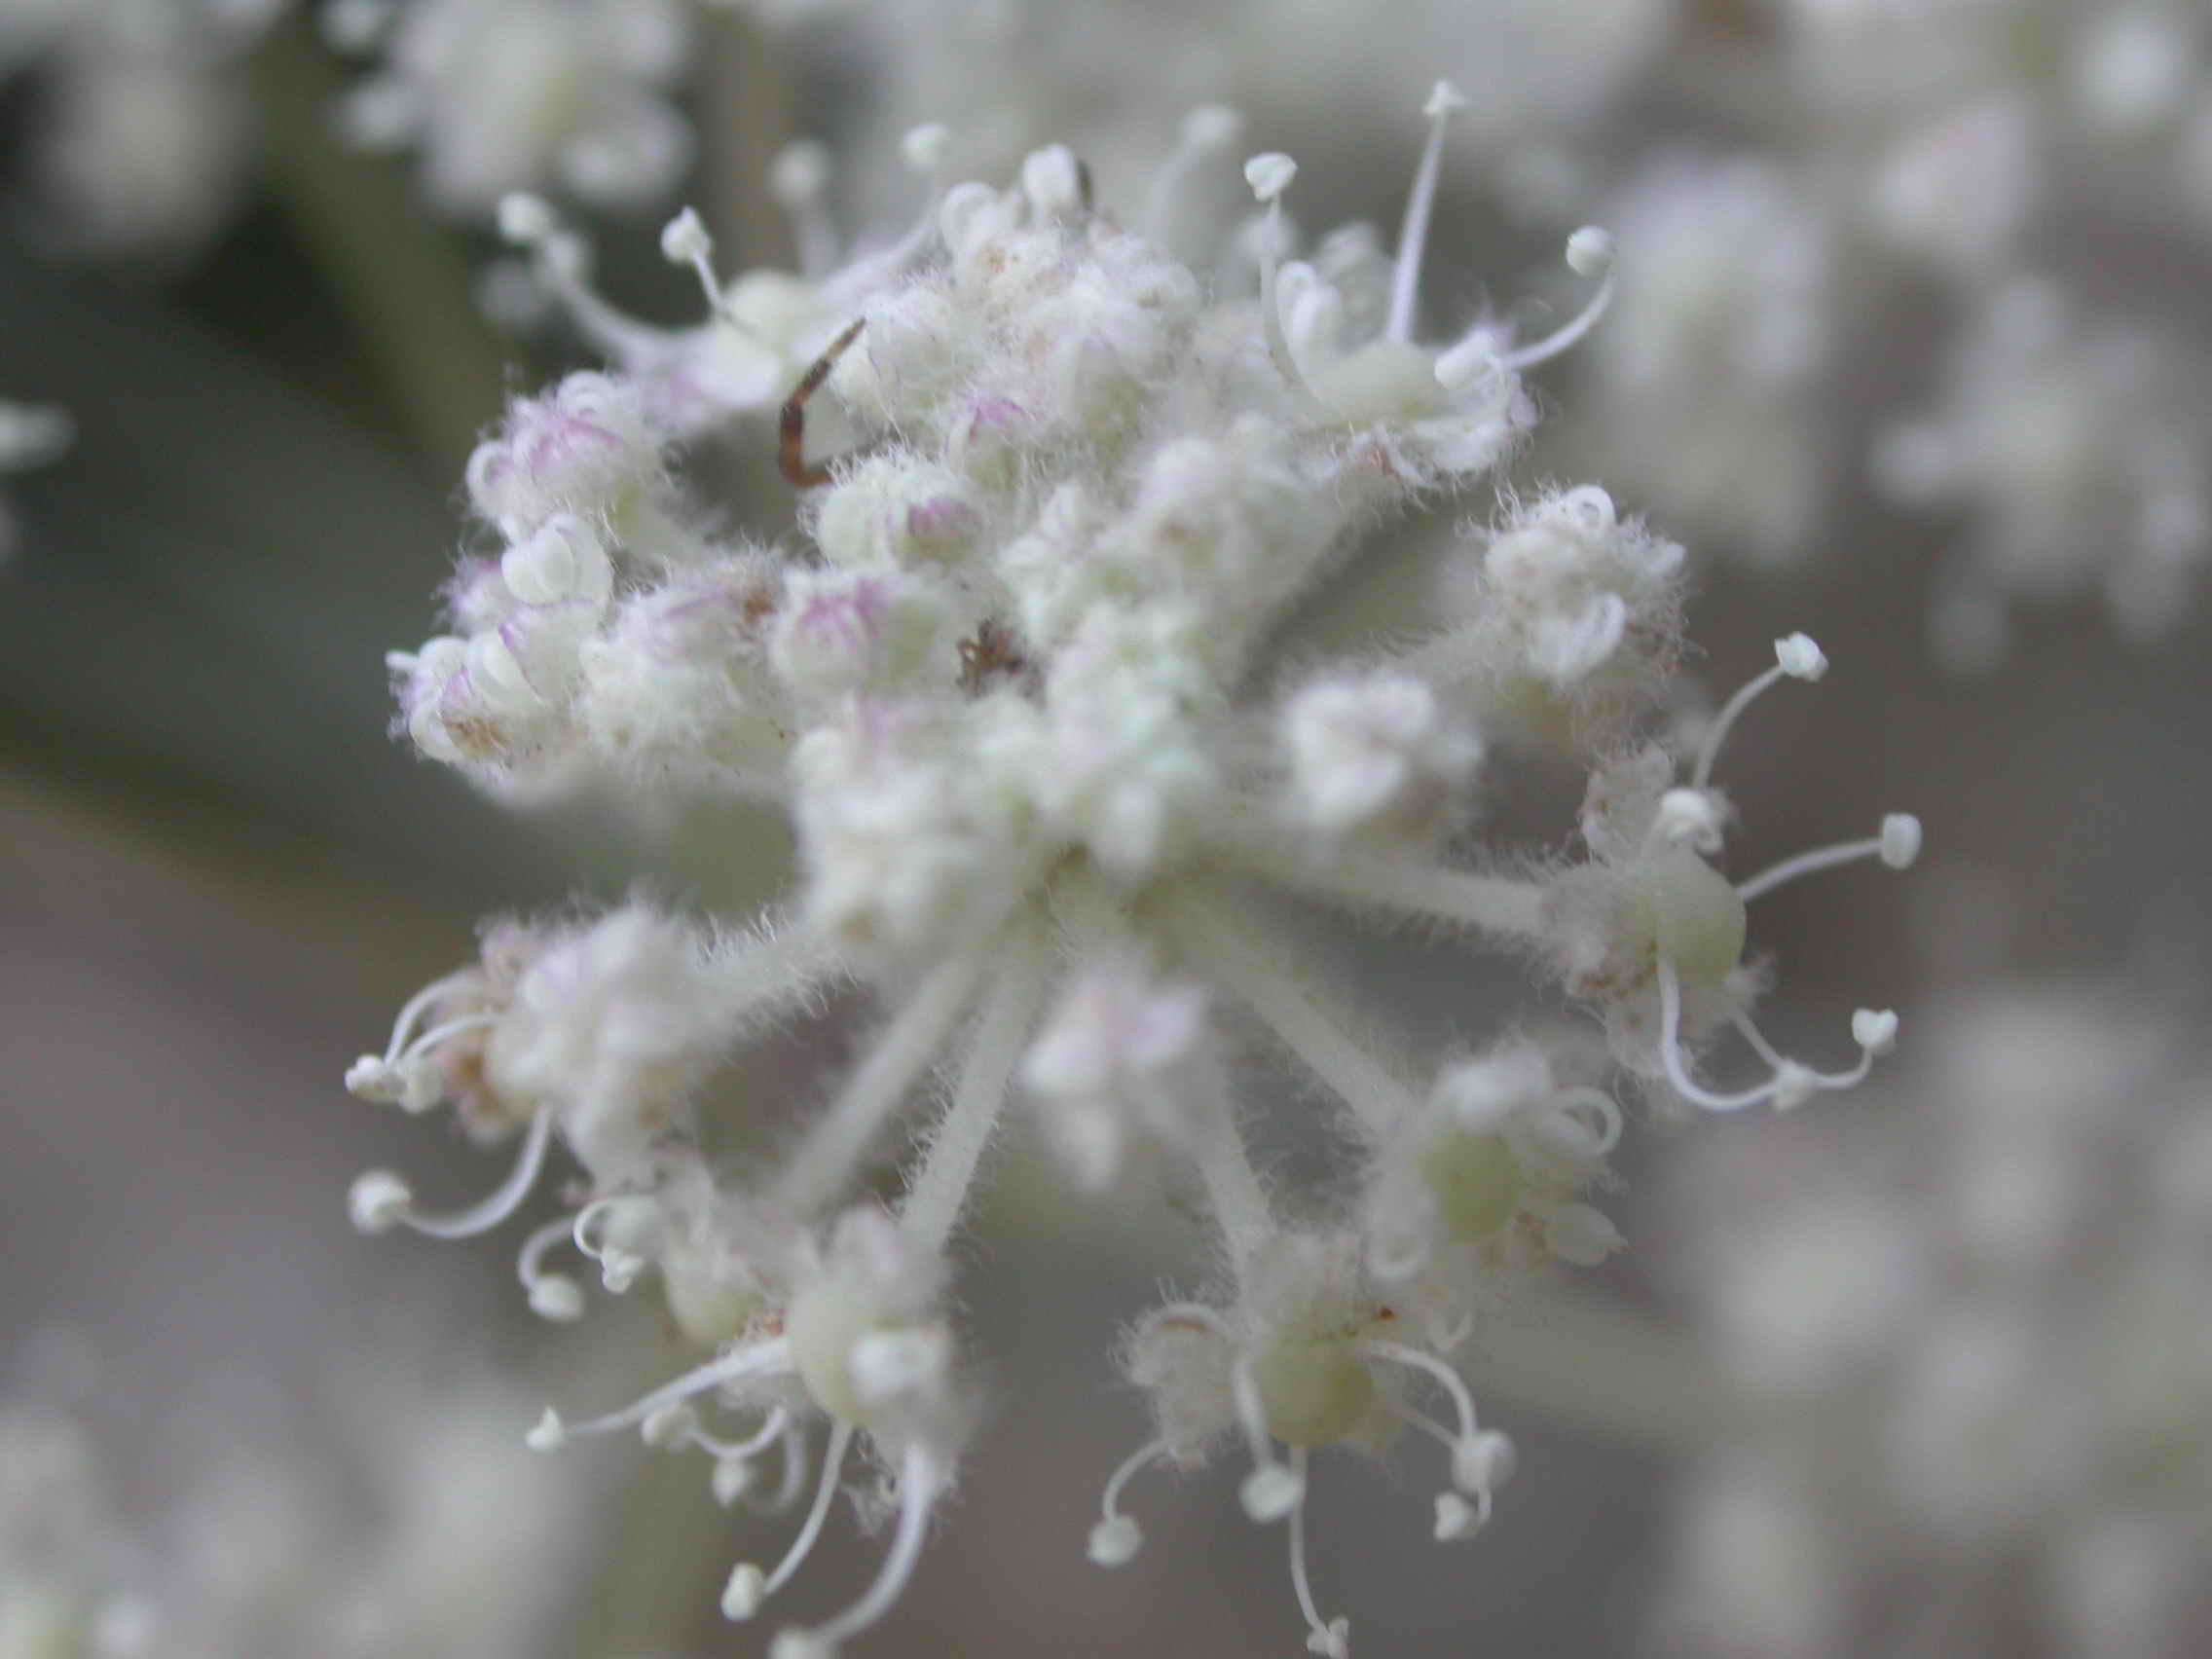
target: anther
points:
(1589, 253)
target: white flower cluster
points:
(390, 1519)
(1973, 1335)
(1899, 171)
(496, 96)
(1025, 681)
(2077, 445)
(137, 148)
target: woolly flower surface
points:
(1021, 680)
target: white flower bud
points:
(1901, 840)
(1580, 1235)
(1053, 180)
(1272, 1491)
(1444, 99)
(683, 240)
(800, 172)
(1800, 658)
(1456, 1517)
(1116, 1542)
(1212, 126)
(1483, 1462)
(742, 1596)
(557, 1296)
(1590, 251)
(732, 1479)
(377, 1200)
(1269, 175)
(1874, 1030)
(925, 147)
(526, 220)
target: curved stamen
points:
(1590, 251)
(739, 1450)
(437, 990)
(454, 1027)
(794, 1480)
(748, 1586)
(1793, 1083)
(1413, 234)
(1757, 1038)
(1796, 657)
(561, 261)
(918, 1488)
(619, 1264)
(1206, 132)
(1116, 1538)
(1270, 175)
(381, 1200)
(552, 1296)
(1609, 1119)
(925, 150)
(772, 1356)
(1413, 1417)
(1462, 1402)
(1671, 1053)
(1897, 846)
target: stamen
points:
(1795, 658)
(1413, 235)
(1589, 253)
(794, 1466)
(1457, 1518)
(1206, 132)
(683, 240)
(1897, 846)
(1116, 1538)
(387, 1078)
(799, 180)
(1270, 175)
(1448, 1379)
(1270, 1491)
(1671, 1053)
(741, 1451)
(620, 1246)
(1331, 1639)
(552, 1296)
(563, 262)
(437, 990)
(380, 1199)
(1793, 1083)
(1609, 1119)
(925, 149)
(552, 1432)
(748, 1586)
(918, 1487)
(454, 1027)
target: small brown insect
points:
(991, 654)
(790, 426)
